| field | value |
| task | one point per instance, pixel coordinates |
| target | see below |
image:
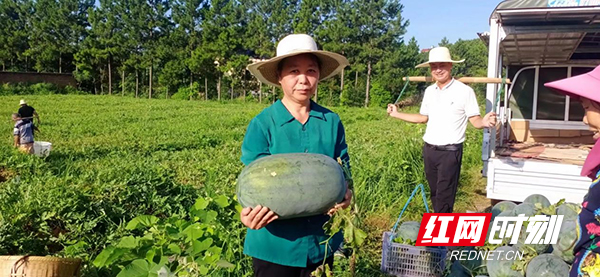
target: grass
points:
(114, 158)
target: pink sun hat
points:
(585, 85)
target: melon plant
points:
(292, 185)
(563, 247)
(499, 266)
(537, 200)
(501, 207)
(547, 265)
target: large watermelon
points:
(501, 207)
(563, 247)
(547, 265)
(527, 209)
(292, 185)
(537, 199)
(569, 210)
(499, 266)
(408, 232)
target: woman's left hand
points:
(344, 204)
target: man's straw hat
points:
(439, 55)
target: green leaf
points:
(193, 232)
(137, 268)
(128, 242)
(222, 201)
(198, 246)
(203, 270)
(108, 256)
(210, 216)
(174, 248)
(200, 204)
(142, 221)
(225, 264)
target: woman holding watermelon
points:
(586, 88)
(294, 124)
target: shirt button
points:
(303, 128)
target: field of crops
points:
(115, 158)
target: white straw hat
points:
(439, 55)
(22, 102)
(296, 44)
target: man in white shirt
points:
(446, 106)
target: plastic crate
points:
(407, 260)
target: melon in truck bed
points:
(408, 232)
(502, 267)
(292, 185)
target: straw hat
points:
(585, 85)
(439, 55)
(22, 102)
(292, 45)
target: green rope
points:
(402, 92)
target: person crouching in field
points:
(23, 134)
(446, 106)
(586, 88)
(294, 124)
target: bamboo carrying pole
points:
(461, 79)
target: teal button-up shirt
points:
(293, 242)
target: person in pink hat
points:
(586, 88)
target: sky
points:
(432, 20)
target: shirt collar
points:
(282, 116)
(446, 86)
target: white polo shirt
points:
(448, 110)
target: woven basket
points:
(35, 266)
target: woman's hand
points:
(344, 204)
(258, 217)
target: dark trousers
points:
(267, 269)
(442, 170)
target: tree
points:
(14, 18)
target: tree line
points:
(199, 49)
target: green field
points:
(114, 158)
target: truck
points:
(540, 143)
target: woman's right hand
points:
(258, 217)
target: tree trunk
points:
(231, 90)
(259, 92)
(205, 88)
(60, 64)
(368, 84)
(192, 84)
(123, 82)
(167, 92)
(356, 80)
(150, 83)
(137, 83)
(109, 77)
(273, 93)
(95, 87)
(219, 89)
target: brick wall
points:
(59, 79)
